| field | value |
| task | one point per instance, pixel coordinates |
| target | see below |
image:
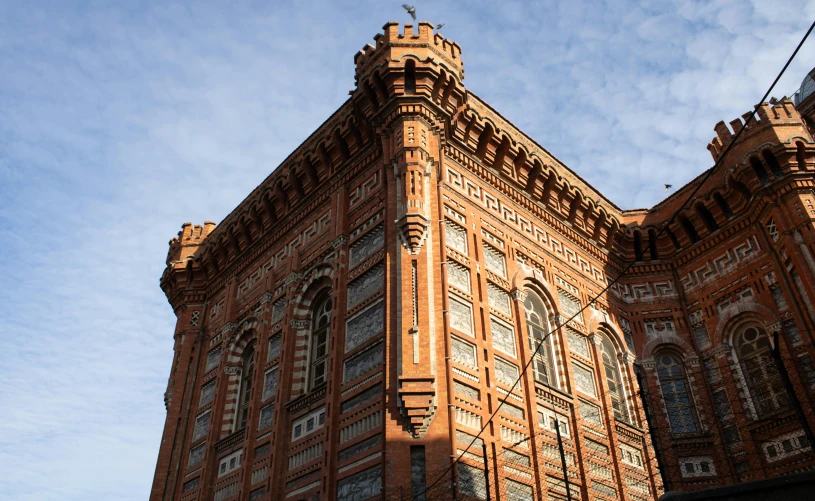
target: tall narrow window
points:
(675, 391)
(410, 77)
(247, 374)
(762, 378)
(320, 323)
(613, 379)
(417, 473)
(536, 321)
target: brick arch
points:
(598, 322)
(667, 340)
(236, 345)
(736, 314)
(317, 280)
(529, 275)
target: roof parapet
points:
(423, 37)
(187, 242)
(783, 113)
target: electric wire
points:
(637, 258)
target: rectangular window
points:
(363, 485)
(516, 457)
(455, 236)
(458, 276)
(584, 380)
(578, 343)
(570, 305)
(590, 413)
(463, 352)
(270, 383)
(417, 472)
(361, 398)
(631, 455)
(191, 484)
(547, 419)
(213, 359)
(308, 424)
(207, 393)
(274, 347)
(362, 363)
(201, 425)
(230, 463)
(365, 246)
(499, 300)
(359, 447)
(495, 261)
(503, 336)
(196, 455)
(471, 481)
(596, 446)
(364, 326)
(505, 372)
(266, 416)
(263, 449)
(461, 316)
(517, 491)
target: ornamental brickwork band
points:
(405, 309)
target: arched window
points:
(320, 322)
(615, 387)
(536, 326)
(410, 77)
(752, 347)
(247, 374)
(675, 391)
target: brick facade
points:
(361, 314)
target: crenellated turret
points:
(187, 242)
(413, 63)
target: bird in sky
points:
(410, 10)
(668, 187)
(440, 26)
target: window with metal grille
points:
(766, 392)
(676, 393)
(321, 322)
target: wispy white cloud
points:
(118, 123)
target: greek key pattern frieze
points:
(492, 203)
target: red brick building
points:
(349, 328)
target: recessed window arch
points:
(613, 376)
(247, 376)
(320, 335)
(410, 76)
(766, 393)
(676, 394)
(537, 328)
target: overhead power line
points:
(628, 267)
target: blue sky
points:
(120, 121)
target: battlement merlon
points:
(187, 242)
(391, 46)
(779, 122)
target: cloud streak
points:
(119, 123)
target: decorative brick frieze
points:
(430, 223)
